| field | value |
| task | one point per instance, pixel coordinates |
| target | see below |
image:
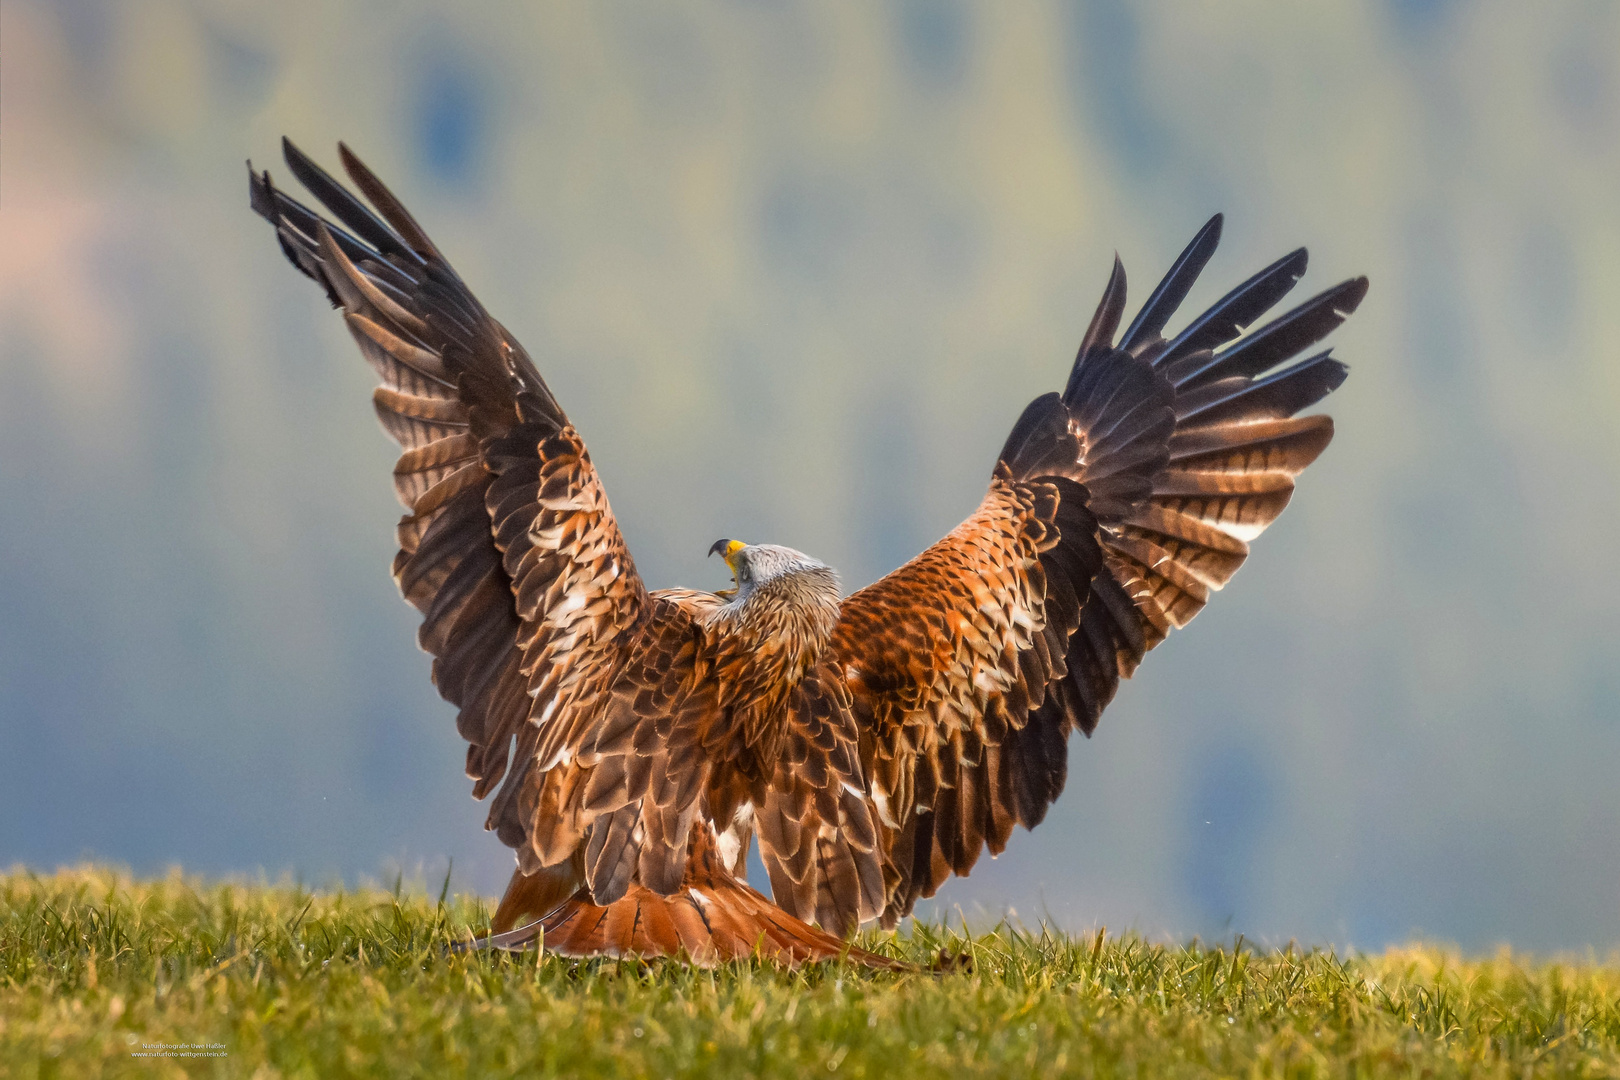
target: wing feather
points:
(818, 836)
(1116, 508)
(527, 601)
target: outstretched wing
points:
(508, 548)
(1115, 508)
(947, 658)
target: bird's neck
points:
(766, 642)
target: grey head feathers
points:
(771, 566)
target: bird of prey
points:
(637, 741)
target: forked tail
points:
(712, 919)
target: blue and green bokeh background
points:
(794, 268)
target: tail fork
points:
(712, 919)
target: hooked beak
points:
(726, 549)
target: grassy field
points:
(104, 976)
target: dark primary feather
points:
(1172, 290)
(1278, 340)
(1105, 321)
(1237, 309)
(1237, 399)
(368, 227)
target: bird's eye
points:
(744, 575)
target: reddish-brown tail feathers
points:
(713, 918)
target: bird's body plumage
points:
(636, 741)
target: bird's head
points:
(770, 568)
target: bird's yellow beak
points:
(726, 549)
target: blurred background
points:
(794, 269)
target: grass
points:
(279, 981)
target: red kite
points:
(875, 744)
